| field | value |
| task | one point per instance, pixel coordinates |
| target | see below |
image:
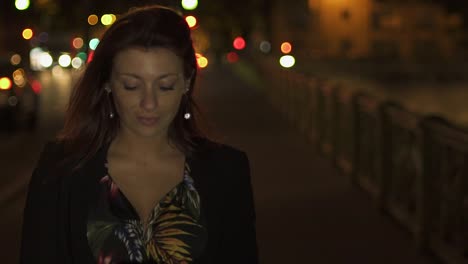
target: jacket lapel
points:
(83, 191)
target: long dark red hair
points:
(87, 124)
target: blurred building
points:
(404, 30)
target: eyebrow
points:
(162, 76)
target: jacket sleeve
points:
(238, 242)
(38, 233)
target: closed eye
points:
(169, 88)
(129, 87)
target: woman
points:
(131, 179)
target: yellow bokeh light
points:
(191, 21)
(202, 62)
(5, 83)
(93, 20)
(107, 19)
(27, 33)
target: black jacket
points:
(55, 215)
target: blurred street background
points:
(270, 73)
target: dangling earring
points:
(187, 114)
(108, 90)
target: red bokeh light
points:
(239, 43)
(232, 57)
(90, 56)
(36, 86)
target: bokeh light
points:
(93, 20)
(191, 21)
(90, 56)
(82, 55)
(43, 37)
(286, 47)
(15, 59)
(19, 77)
(77, 62)
(265, 46)
(22, 4)
(78, 43)
(189, 4)
(232, 57)
(36, 86)
(46, 60)
(239, 43)
(287, 61)
(201, 61)
(64, 60)
(57, 71)
(107, 19)
(5, 83)
(93, 43)
(27, 33)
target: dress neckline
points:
(186, 179)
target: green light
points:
(189, 4)
(22, 4)
(82, 56)
(93, 43)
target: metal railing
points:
(414, 167)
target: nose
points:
(149, 100)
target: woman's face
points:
(147, 86)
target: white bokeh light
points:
(189, 4)
(287, 61)
(77, 63)
(46, 60)
(22, 4)
(64, 60)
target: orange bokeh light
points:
(78, 43)
(93, 20)
(286, 47)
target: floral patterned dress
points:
(174, 235)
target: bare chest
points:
(145, 186)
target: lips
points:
(148, 121)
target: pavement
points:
(307, 212)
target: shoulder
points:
(54, 160)
(219, 153)
(51, 153)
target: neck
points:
(150, 147)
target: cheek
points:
(171, 105)
(123, 103)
